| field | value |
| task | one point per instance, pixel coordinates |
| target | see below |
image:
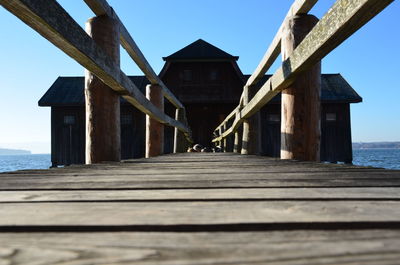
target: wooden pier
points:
(201, 208)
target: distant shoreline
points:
(377, 145)
(30, 154)
(4, 151)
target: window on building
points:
(213, 75)
(273, 117)
(126, 119)
(69, 119)
(331, 117)
(187, 75)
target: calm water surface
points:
(385, 158)
(18, 162)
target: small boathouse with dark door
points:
(209, 82)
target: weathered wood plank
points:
(275, 247)
(101, 7)
(198, 213)
(202, 194)
(342, 20)
(50, 20)
(201, 170)
(273, 51)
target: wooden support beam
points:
(298, 7)
(342, 20)
(103, 127)
(251, 127)
(50, 20)
(237, 145)
(225, 140)
(180, 142)
(273, 51)
(221, 142)
(101, 7)
(154, 129)
(301, 108)
(230, 116)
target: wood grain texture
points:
(301, 102)
(50, 20)
(102, 104)
(200, 170)
(226, 194)
(273, 51)
(342, 20)
(101, 7)
(144, 211)
(180, 142)
(154, 129)
(275, 247)
(207, 213)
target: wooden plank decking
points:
(201, 208)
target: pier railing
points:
(342, 20)
(49, 19)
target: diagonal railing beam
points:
(341, 21)
(273, 51)
(101, 7)
(51, 21)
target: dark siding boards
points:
(204, 82)
(335, 132)
(68, 134)
(132, 133)
(271, 130)
(209, 91)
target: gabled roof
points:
(69, 91)
(200, 50)
(334, 88)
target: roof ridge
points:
(200, 49)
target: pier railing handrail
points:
(342, 20)
(50, 20)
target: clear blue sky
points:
(29, 64)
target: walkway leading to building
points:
(201, 208)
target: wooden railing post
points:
(221, 143)
(237, 145)
(225, 140)
(103, 132)
(300, 127)
(180, 142)
(154, 129)
(251, 126)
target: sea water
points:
(384, 158)
(18, 162)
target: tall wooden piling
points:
(154, 129)
(251, 135)
(237, 145)
(103, 130)
(180, 142)
(301, 110)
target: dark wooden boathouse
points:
(209, 82)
